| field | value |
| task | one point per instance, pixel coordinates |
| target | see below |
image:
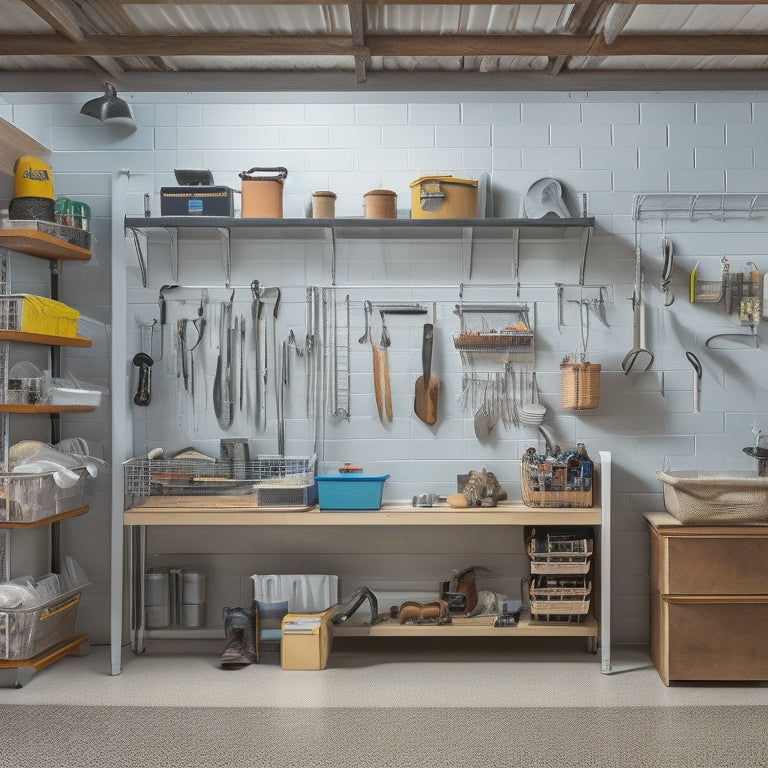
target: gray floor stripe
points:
(535, 737)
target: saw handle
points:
(143, 394)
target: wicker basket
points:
(715, 498)
(576, 561)
(533, 497)
(579, 386)
(557, 594)
(476, 340)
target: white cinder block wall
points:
(604, 148)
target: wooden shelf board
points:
(14, 143)
(47, 520)
(14, 408)
(42, 245)
(673, 527)
(222, 510)
(470, 628)
(41, 338)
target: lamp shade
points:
(109, 108)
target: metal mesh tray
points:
(276, 480)
(72, 235)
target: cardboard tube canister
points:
(380, 204)
(262, 193)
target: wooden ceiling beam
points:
(58, 17)
(181, 45)
(385, 45)
(434, 2)
(567, 45)
(113, 13)
(356, 9)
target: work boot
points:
(240, 631)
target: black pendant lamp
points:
(109, 108)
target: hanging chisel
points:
(256, 308)
(222, 385)
(161, 302)
(242, 359)
(181, 333)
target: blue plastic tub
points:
(350, 491)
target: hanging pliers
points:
(667, 252)
(200, 322)
(697, 372)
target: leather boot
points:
(240, 631)
(465, 583)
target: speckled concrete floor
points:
(468, 704)
(533, 672)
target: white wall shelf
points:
(467, 231)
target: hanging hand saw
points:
(223, 385)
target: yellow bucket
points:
(443, 197)
(32, 178)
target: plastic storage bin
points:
(37, 314)
(350, 491)
(28, 632)
(34, 496)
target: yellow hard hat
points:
(33, 178)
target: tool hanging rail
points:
(700, 206)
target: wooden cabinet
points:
(709, 600)
(42, 246)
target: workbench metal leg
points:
(137, 560)
(605, 563)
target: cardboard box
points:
(306, 640)
(196, 201)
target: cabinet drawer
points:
(699, 640)
(726, 565)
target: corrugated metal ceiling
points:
(156, 45)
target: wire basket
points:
(563, 556)
(272, 480)
(579, 386)
(559, 594)
(26, 497)
(28, 632)
(24, 391)
(536, 493)
(481, 340)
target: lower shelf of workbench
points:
(471, 627)
(481, 626)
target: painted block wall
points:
(604, 148)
